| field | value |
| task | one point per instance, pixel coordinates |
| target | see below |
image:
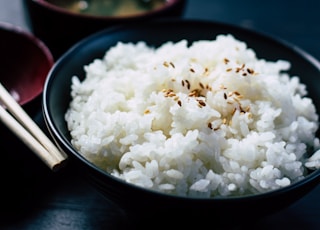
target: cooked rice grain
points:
(210, 119)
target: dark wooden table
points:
(34, 198)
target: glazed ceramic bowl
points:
(60, 28)
(25, 63)
(150, 204)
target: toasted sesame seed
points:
(171, 94)
(201, 102)
(188, 84)
(147, 111)
(166, 64)
(242, 111)
(206, 71)
(250, 71)
(233, 111)
(195, 93)
(226, 60)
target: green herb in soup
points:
(109, 7)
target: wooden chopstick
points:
(29, 132)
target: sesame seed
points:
(171, 94)
(166, 64)
(147, 111)
(250, 71)
(201, 102)
(233, 111)
(188, 84)
(206, 71)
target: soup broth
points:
(109, 7)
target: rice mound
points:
(206, 119)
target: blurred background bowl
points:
(61, 23)
(25, 63)
(157, 206)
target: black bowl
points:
(144, 202)
(60, 28)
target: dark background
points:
(34, 198)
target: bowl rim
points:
(166, 7)
(37, 43)
(311, 177)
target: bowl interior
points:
(57, 88)
(26, 62)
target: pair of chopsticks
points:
(19, 122)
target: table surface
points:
(35, 198)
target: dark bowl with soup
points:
(61, 23)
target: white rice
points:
(210, 119)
